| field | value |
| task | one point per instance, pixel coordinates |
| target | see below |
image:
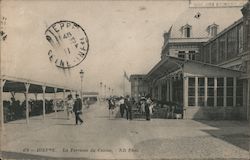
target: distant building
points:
(138, 86)
(205, 64)
(90, 96)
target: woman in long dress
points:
(147, 110)
(70, 105)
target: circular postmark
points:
(69, 43)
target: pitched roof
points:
(223, 17)
(168, 66)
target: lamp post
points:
(81, 75)
(100, 93)
(105, 91)
(109, 92)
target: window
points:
(186, 31)
(213, 52)
(239, 93)
(191, 55)
(222, 48)
(230, 87)
(202, 53)
(178, 91)
(212, 30)
(240, 39)
(181, 54)
(210, 92)
(201, 91)
(220, 91)
(191, 91)
(207, 54)
(232, 43)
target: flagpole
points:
(123, 85)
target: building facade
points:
(138, 86)
(205, 68)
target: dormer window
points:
(212, 29)
(186, 31)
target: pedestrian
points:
(111, 106)
(128, 104)
(143, 104)
(70, 105)
(78, 109)
(122, 106)
(151, 106)
(87, 102)
(147, 110)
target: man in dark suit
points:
(78, 109)
(128, 104)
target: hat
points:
(77, 95)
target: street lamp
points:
(109, 92)
(105, 91)
(81, 75)
(100, 93)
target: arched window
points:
(212, 29)
(186, 31)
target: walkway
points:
(103, 138)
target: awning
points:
(166, 66)
(172, 66)
(13, 84)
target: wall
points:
(225, 46)
(218, 113)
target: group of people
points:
(126, 104)
(74, 106)
(146, 107)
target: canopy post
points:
(27, 85)
(55, 103)
(36, 96)
(44, 88)
(185, 95)
(2, 82)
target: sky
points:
(123, 36)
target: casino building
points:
(205, 64)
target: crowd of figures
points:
(145, 108)
(15, 109)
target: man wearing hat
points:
(78, 109)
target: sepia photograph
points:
(124, 79)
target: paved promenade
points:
(101, 137)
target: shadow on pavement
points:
(230, 128)
(240, 140)
(236, 133)
(16, 155)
